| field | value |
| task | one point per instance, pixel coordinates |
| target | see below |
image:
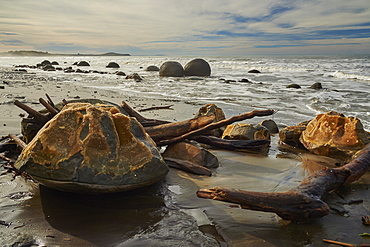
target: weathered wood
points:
(338, 243)
(216, 125)
(49, 107)
(303, 202)
(188, 166)
(171, 130)
(50, 101)
(156, 108)
(17, 140)
(39, 117)
(142, 120)
(249, 145)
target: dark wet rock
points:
(254, 71)
(49, 68)
(294, 85)
(45, 62)
(2, 87)
(69, 70)
(121, 73)
(83, 63)
(270, 125)
(290, 135)
(334, 135)
(171, 69)
(75, 63)
(212, 109)
(244, 80)
(90, 148)
(152, 68)
(112, 65)
(21, 70)
(244, 131)
(175, 229)
(54, 63)
(229, 81)
(135, 76)
(197, 67)
(316, 85)
(18, 240)
(191, 152)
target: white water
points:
(345, 79)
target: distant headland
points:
(45, 53)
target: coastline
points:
(49, 217)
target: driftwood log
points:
(187, 166)
(142, 120)
(172, 130)
(249, 145)
(216, 125)
(303, 202)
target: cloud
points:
(181, 27)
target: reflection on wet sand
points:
(103, 219)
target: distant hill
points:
(45, 53)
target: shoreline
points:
(50, 217)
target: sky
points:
(187, 27)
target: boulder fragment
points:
(244, 131)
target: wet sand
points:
(167, 213)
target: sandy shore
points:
(167, 213)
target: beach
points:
(169, 213)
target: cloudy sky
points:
(187, 27)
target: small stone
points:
(294, 85)
(112, 65)
(254, 71)
(316, 85)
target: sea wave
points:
(340, 74)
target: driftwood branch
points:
(144, 121)
(303, 202)
(188, 166)
(156, 108)
(249, 145)
(18, 141)
(50, 101)
(39, 117)
(49, 107)
(171, 130)
(216, 125)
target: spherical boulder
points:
(152, 68)
(93, 149)
(171, 68)
(83, 63)
(112, 65)
(45, 62)
(197, 67)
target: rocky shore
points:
(169, 212)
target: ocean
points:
(345, 81)
(169, 213)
